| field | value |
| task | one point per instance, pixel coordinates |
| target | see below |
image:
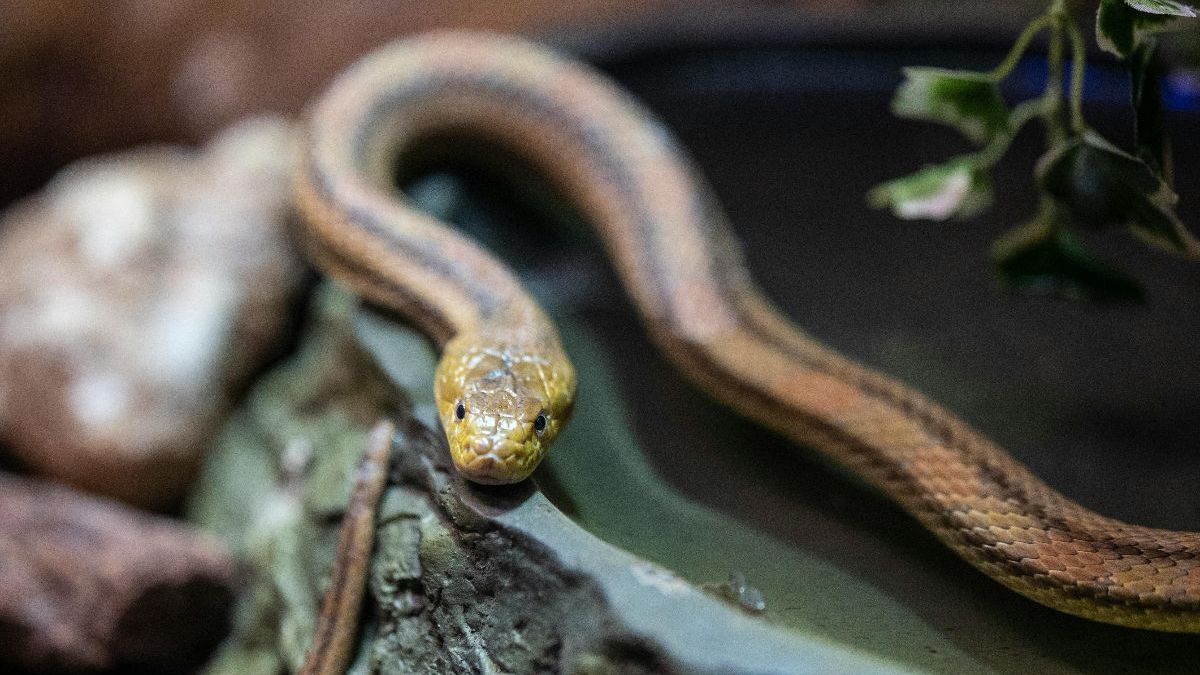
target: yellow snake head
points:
(502, 405)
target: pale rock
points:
(140, 291)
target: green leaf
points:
(1100, 185)
(1166, 7)
(1121, 25)
(958, 188)
(965, 100)
(1041, 259)
(1150, 136)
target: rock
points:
(278, 477)
(465, 578)
(140, 293)
(88, 584)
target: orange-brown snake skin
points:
(676, 256)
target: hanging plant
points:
(1085, 181)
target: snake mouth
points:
(490, 469)
(494, 462)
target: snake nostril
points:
(460, 411)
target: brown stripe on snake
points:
(370, 223)
(372, 287)
(504, 386)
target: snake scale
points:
(504, 386)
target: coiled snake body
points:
(505, 386)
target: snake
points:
(504, 386)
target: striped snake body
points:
(505, 387)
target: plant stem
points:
(1047, 215)
(1021, 114)
(1052, 98)
(1018, 49)
(1078, 66)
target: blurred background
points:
(79, 79)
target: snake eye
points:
(539, 424)
(460, 411)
